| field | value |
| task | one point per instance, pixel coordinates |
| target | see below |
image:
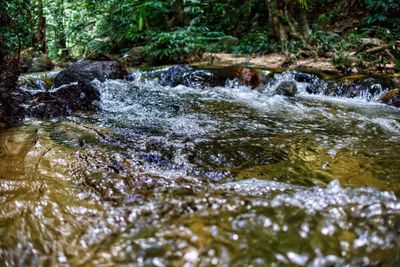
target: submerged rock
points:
(286, 89)
(87, 70)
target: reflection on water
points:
(219, 177)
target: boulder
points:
(367, 88)
(315, 84)
(203, 78)
(174, 75)
(87, 70)
(334, 88)
(248, 76)
(38, 84)
(13, 110)
(41, 63)
(97, 56)
(198, 78)
(391, 98)
(134, 57)
(195, 78)
(8, 119)
(286, 89)
(26, 58)
(65, 100)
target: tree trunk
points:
(60, 38)
(9, 73)
(4, 21)
(287, 19)
(305, 28)
(180, 16)
(39, 37)
(277, 29)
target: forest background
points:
(361, 33)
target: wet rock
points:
(315, 84)
(304, 77)
(268, 81)
(202, 79)
(87, 70)
(174, 75)
(248, 76)
(42, 84)
(197, 78)
(13, 110)
(391, 98)
(367, 88)
(333, 88)
(41, 63)
(378, 82)
(286, 89)
(9, 119)
(65, 101)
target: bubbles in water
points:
(220, 176)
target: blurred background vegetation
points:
(181, 30)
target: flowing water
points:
(222, 176)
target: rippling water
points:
(215, 177)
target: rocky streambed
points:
(202, 167)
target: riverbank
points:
(280, 61)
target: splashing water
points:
(223, 176)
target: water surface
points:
(222, 176)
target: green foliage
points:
(173, 31)
(384, 13)
(254, 42)
(381, 10)
(304, 3)
(179, 45)
(324, 41)
(388, 35)
(397, 66)
(20, 30)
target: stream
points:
(224, 176)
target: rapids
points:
(224, 176)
